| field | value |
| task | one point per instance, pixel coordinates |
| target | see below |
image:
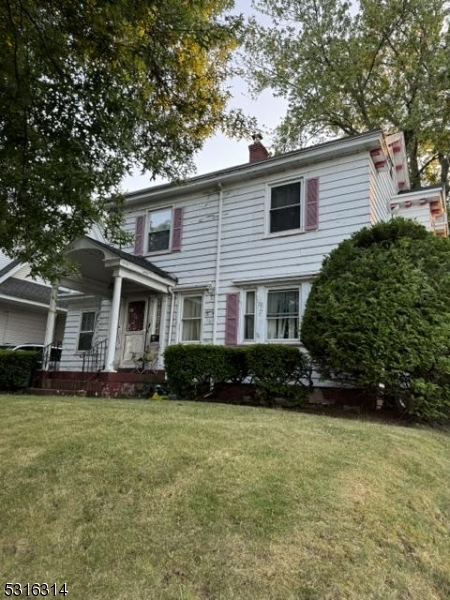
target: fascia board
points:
(303, 157)
(15, 300)
(138, 275)
(12, 272)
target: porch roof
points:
(137, 260)
(98, 263)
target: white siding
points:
(71, 359)
(382, 188)
(22, 326)
(4, 260)
(417, 212)
(195, 264)
(247, 252)
(102, 323)
(351, 196)
(24, 273)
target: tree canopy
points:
(379, 313)
(348, 67)
(90, 90)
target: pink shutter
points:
(177, 228)
(312, 204)
(231, 319)
(139, 236)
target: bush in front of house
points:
(192, 369)
(16, 369)
(379, 313)
(280, 373)
(277, 371)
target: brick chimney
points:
(257, 151)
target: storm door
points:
(135, 330)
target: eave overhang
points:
(271, 166)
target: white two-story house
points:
(229, 257)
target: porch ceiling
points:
(99, 263)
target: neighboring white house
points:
(229, 257)
(24, 306)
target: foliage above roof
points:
(354, 66)
(91, 90)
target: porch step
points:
(69, 385)
(73, 383)
(55, 392)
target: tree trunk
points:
(413, 161)
(445, 164)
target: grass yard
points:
(184, 501)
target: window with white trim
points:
(191, 319)
(158, 230)
(87, 328)
(249, 315)
(285, 207)
(283, 314)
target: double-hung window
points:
(86, 331)
(249, 315)
(285, 207)
(191, 320)
(283, 314)
(159, 227)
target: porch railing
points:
(94, 359)
(51, 356)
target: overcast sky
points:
(219, 151)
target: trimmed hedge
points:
(280, 372)
(192, 368)
(16, 369)
(276, 370)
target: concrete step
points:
(55, 392)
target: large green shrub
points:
(192, 369)
(16, 369)
(279, 371)
(275, 369)
(379, 313)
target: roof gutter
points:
(305, 156)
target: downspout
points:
(219, 248)
(172, 306)
(162, 332)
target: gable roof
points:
(9, 267)
(342, 146)
(25, 290)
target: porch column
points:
(50, 328)
(113, 324)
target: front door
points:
(135, 330)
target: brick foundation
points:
(123, 383)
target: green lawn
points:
(170, 500)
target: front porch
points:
(116, 319)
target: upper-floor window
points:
(285, 207)
(159, 227)
(283, 314)
(159, 230)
